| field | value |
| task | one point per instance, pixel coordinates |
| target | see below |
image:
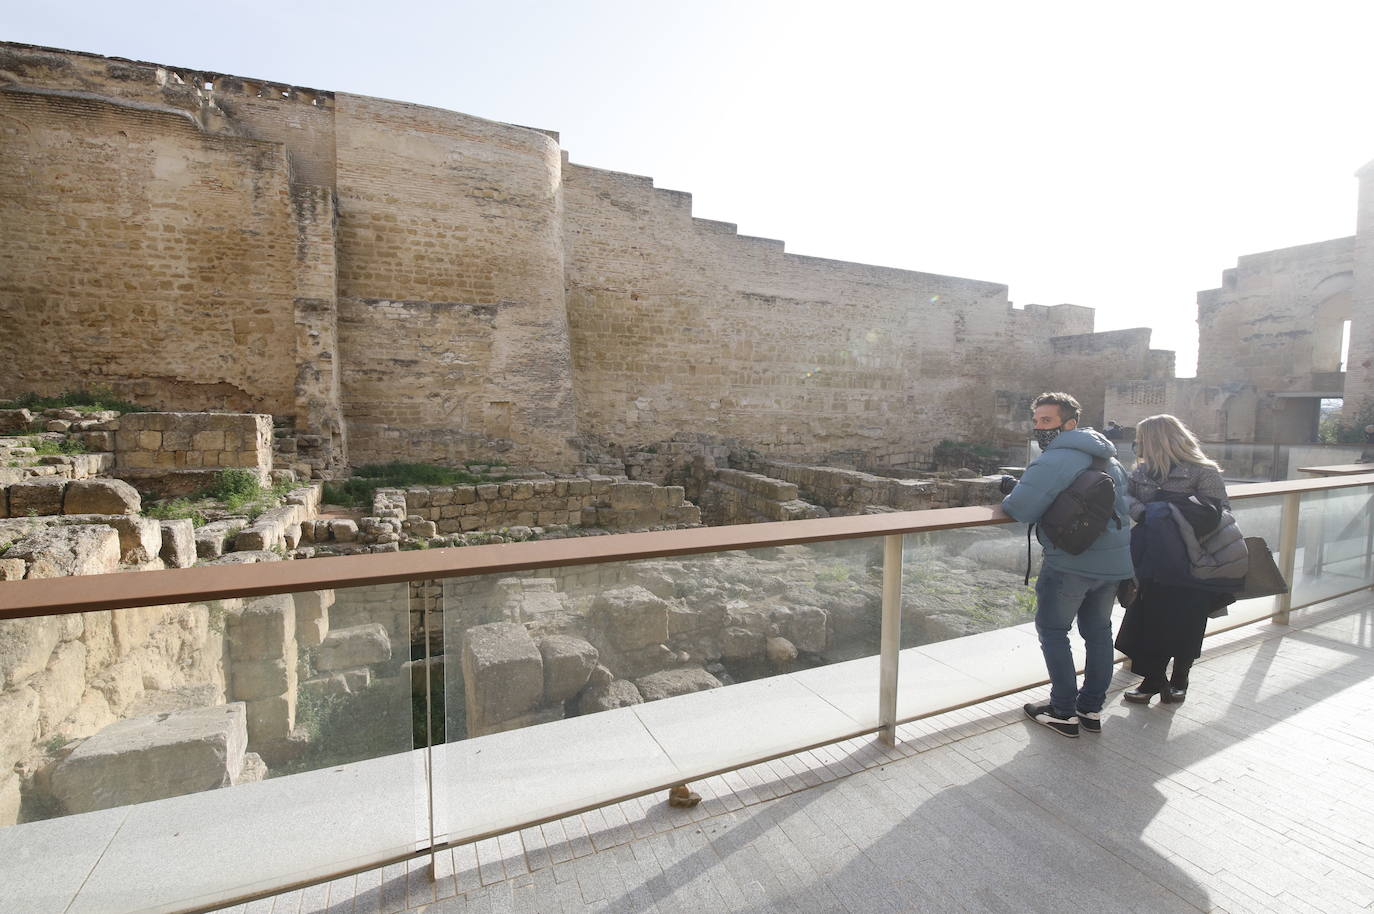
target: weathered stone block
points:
(568, 662)
(211, 538)
(808, 629)
(211, 439)
(632, 495)
(26, 646)
(631, 617)
(252, 680)
(780, 652)
(263, 629)
(37, 496)
(58, 552)
(738, 642)
(20, 712)
(620, 693)
(178, 543)
(667, 683)
(9, 799)
(92, 715)
(271, 720)
(325, 686)
(312, 616)
(503, 673)
(101, 496)
(140, 538)
(60, 686)
(97, 440)
(15, 420)
(12, 569)
(153, 757)
(343, 531)
(358, 645)
(121, 684)
(254, 769)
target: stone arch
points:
(1334, 306)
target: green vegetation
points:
(175, 509)
(367, 724)
(97, 398)
(43, 447)
(241, 493)
(1335, 428)
(357, 491)
(834, 573)
(235, 491)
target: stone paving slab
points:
(1251, 796)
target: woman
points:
(1167, 620)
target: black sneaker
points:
(1045, 714)
(1090, 720)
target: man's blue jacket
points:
(1070, 453)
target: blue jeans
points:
(1060, 597)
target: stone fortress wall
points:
(406, 280)
(1269, 343)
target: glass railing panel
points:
(1260, 517)
(1270, 462)
(1320, 455)
(172, 756)
(967, 617)
(1335, 536)
(591, 683)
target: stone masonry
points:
(467, 293)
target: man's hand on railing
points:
(1007, 484)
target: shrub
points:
(175, 509)
(235, 483)
(43, 447)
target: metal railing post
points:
(890, 639)
(422, 598)
(1288, 551)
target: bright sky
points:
(1113, 155)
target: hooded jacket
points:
(1221, 555)
(1070, 453)
(1160, 548)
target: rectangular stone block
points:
(36, 496)
(312, 616)
(152, 758)
(252, 680)
(271, 719)
(264, 629)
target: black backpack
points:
(1079, 514)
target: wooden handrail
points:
(90, 593)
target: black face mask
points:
(1043, 436)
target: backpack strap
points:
(1029, 528)
(1102, 464)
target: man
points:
(1079, 586)
(1112, 431)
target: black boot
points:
(1148, 688)
(1178, 682)
(1153, 683)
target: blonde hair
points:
(1162, 441)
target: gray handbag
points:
(1263, 579)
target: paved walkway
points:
(1255, 795)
